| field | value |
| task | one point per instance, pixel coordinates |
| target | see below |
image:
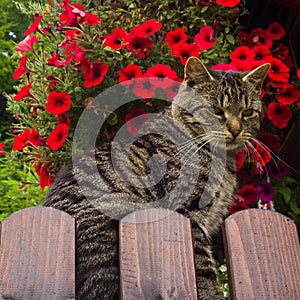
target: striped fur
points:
(97, 265)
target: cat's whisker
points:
(259, 159)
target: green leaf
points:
(204, 9)
(230, 39)
(286, 193)
(227, 29)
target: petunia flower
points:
(35, 138)
(93, 73)
(265, 191)
(262, 53)
(116, 40)
(129, 72)
(204, 39)
(22, 68)
(184, 51)
(271, 141)
(282, 53)
(139, 46)
(175, 37)
(135, 120)
(2, 151)
(248, 193)
(260, 153)
(259, 37)
(34, 27)
(27, 44)
(275, 31)
(278, 170)
(224, 67)
(147, 29)
(278, 72)
(161, 75)
(44, 173)
(240, 159)
(228, 3)
(58, 102)
(288, 94)
(58, 136)
(21, 140)
(91, 19)
(279, 114)
(142, 87)
(242, 54)
(55, 60)
(23, 92)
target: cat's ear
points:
(258, 75)
(195, 71)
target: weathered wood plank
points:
(156, 256)
(37, 255)
(263, 256)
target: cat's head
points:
(233, 97)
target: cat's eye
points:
(247, 112)
(218, 111)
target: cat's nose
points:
(234, 126)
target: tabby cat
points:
(232, 98)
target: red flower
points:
(2, 151)
(172, 91)
(242, 54)
(240, 159)
(58, 136)
(139, 46)
(259, 37)
(34, 27)
(134, 124)
(282, 53)
(275, 31)
(63, 119)
(175, 37)
(262, 53)
(238, 206)
(73, 15)
(129, 72)
(142, 87)
(55, 60)
(23, 92)
(278, 72)
(35, 138)
(260, 153)
(21, 140)
(248, 193)
(270, 140)
(91, 19)
(228, 3)
(116, 40)
(93, 73)
(279, 114)
(22, 68)
(298, 73)
(161, 75)
(27, 44)
(147, 29)
(184, 51)
(44, 173)
(288, 94)
(204, 39)
(224, 67)
(58, 102)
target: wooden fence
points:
(37, 255)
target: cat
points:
(231, 98)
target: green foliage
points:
(12, 26)
(12, 197)
(287, 198)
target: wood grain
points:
(156, 256)
(263, 256)
(37, 255)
